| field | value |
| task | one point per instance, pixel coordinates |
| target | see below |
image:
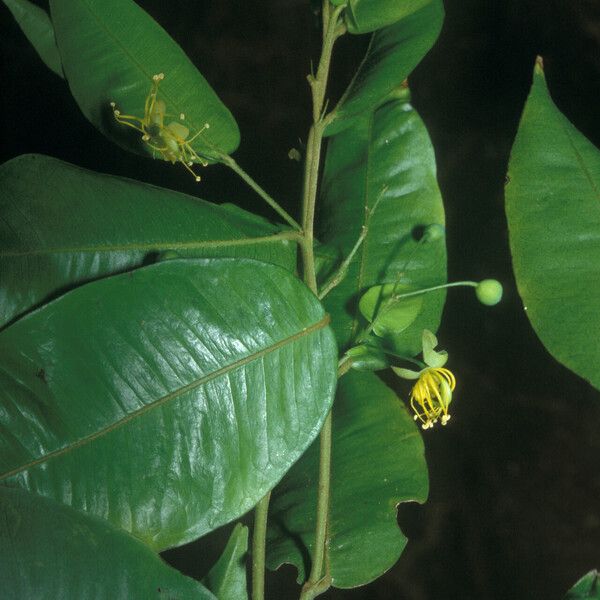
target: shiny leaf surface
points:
(63, 225)
(363, 16)
(552, 204)
(38, 29)
(392, 55)
(227, 578)
(110, 49)
(49, 551)
(587, 588)
(384, 160)
(377, 462)
(167, 400)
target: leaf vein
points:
(169, 397)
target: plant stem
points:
(394, 298)
(311, 173)
(259, 536)
(323, 493)
(230, 162)
(332, 29)
(340, 274)
(436, 287)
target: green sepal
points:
(431, 357)
(406, 373)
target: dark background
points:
(515, 478)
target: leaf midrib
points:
(193, 245)
(168, 398)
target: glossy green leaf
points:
(110, 50)
(38, 29)
(227, 578)
(49, 551)
(63, 225)
(363, 16)
(587, 588)
(552, 204)
(169, 399)
(378, 461)
(392, 55)
(389, 318)
(384, 160)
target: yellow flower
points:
(171, 141)
(432, 393)
(431, 396)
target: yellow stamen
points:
(172, 141)
(431, 396)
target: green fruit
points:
(489, 292)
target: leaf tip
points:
(539, 65)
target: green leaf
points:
(110, 50)
(38, 29)
(389, 318)
(169, 399)
(377, 463)
(63, 226)
(363, 16)
(552, 204)
(227, 578)
(49, 551)
(392, 55)
(587, 588)
(385, 158)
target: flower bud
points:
(433, 232)
(367, 358)
(489, 292)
